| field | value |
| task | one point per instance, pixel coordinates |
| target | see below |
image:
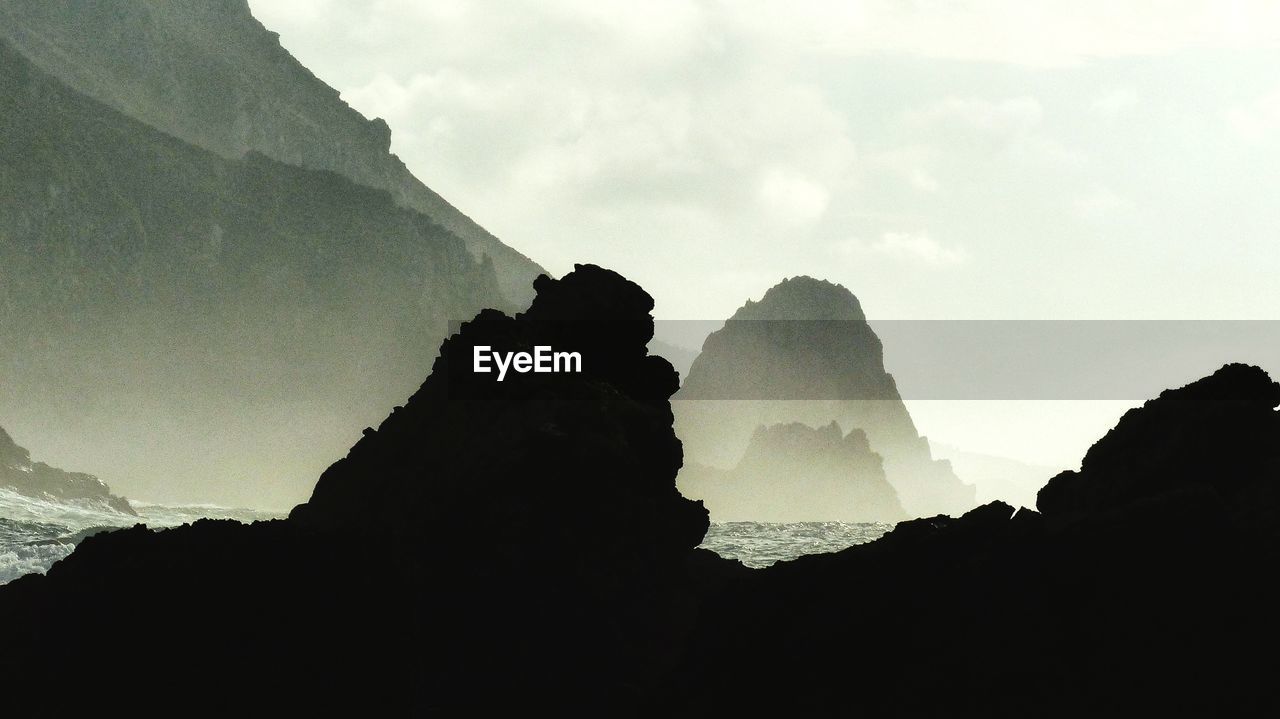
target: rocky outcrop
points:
(795, 473)
(805, 353)
(493, 548)
(37, 479)
(596, 451)
(210, 74)
(1143, 589)
(490, 545)
(217, 311)
(1216, 438)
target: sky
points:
(943, 160)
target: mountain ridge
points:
(151, 289)
(167, 63)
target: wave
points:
(35, 533)
(761, 544)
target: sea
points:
(36, 533)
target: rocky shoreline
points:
(573, 585)
(39, 480)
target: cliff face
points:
(805, 353)
(795, 473)
(216, 311)
(208, 73)
(37, 479)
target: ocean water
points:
(756, 544)
(35, 533)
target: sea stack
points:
(796, 473)
(805, 353)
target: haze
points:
(943, 160)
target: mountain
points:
(795, 473)
(805, 353)
(37, 479)
(995, 478)
(207, 72)
(228, 319)
(680, 357)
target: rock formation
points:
(37, 479)
(490, 545)
(795, 473)
(595, 450)
(207, 72)
(994, 477)
(217, 311)
(1143, 589)
(494, 548)
(805, 353)
(1216, 438)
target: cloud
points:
(999, 118)
(679, 141)
(1047, 33)
(1256, 121)
(907, 247)
(909, 164)
(792, 196)
(1114, 103)
(1098, 203)
(919, 248)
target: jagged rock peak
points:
(800, 439)
(1235, 381)
(803, 298)
(805, 339)
(11, 455)
(37, 479)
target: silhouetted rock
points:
(494, 547)
(37, 479)
(795, 473)
(805, 353)
(596, 449)
(1217, 435)
(491, 544)
(1144, 589)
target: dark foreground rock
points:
(520, 547)
(39, 480)
(490, 544)
(1144, 589)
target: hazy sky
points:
(1083, 159)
